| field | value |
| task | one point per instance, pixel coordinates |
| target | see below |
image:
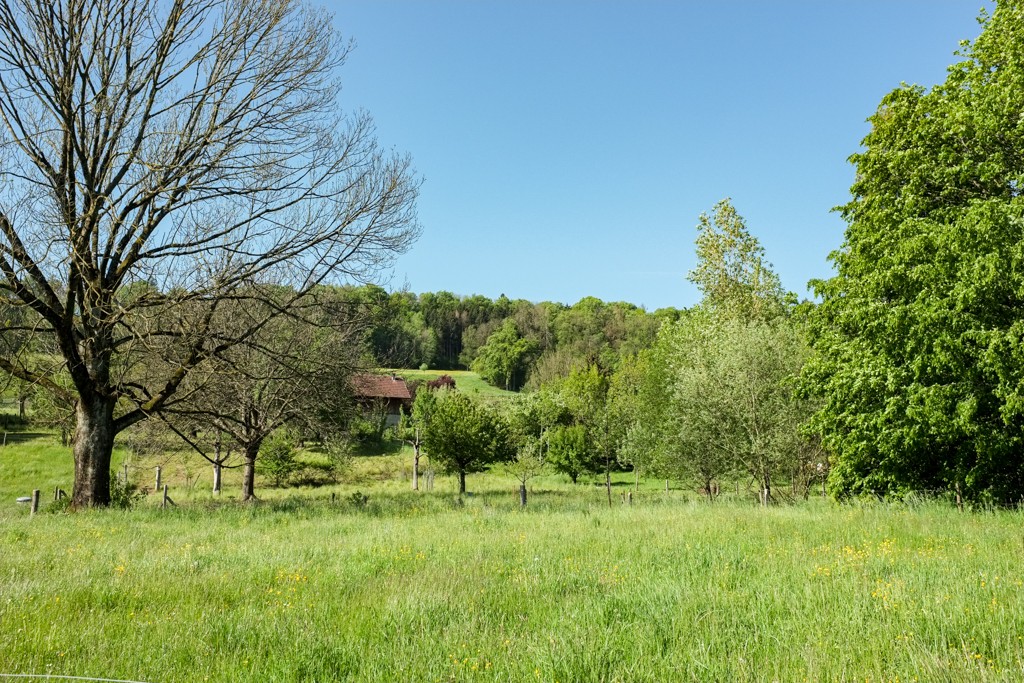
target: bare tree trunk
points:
(608, 483)
(252, 450)
(416, 466)
(522, 495)
(462, 481)
(93, 445)
(217, 470)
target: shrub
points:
(277, 457)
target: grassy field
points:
(466, 381)
(427, 587)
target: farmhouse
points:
(390, 391)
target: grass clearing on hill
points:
(465, 381)
(392, 584)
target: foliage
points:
(918, 336)
(716, 393)
(733, 398)
(732, 274)
(277, 457)
(123, 494)
(502, 361)
(570, 452)
(465, 436)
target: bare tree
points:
(293, 371)
(161, 157)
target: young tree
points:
(733, 398)
(463, 436)
(569, 452)
(529, 417)
(195, 146)
(412, 427)
(292, 372)
(584, 394)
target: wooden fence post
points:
(56, 493)
(35, 501)
(163, 503)
(629, 497)
(157, 487)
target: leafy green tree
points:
(277, 457)
(919, 357)
(412, 427)
(569, 452)
(464, 436)
(502, 361)
(733, 398)
(584, 394)
(731, 272)
(529, 418)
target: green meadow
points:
(389, 584)
(466, 381)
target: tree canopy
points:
(918, 337)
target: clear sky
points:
(567, 147)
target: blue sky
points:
(567, 148)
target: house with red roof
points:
(390, 390)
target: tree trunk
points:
(217, 470)
(249, 472)
(522, 495)
(608, 483)
(462, 481)
(416, 466)
(93, 445)
(767, 492)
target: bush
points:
(123, 494)
(277, 457)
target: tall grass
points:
(369, 581)
(413, 587)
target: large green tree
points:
(732, 273)
(502, 361)
(920, 335)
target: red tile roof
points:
(380, 386)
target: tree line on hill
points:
(511, 343)
(179, 259)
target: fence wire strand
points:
(69, 678)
